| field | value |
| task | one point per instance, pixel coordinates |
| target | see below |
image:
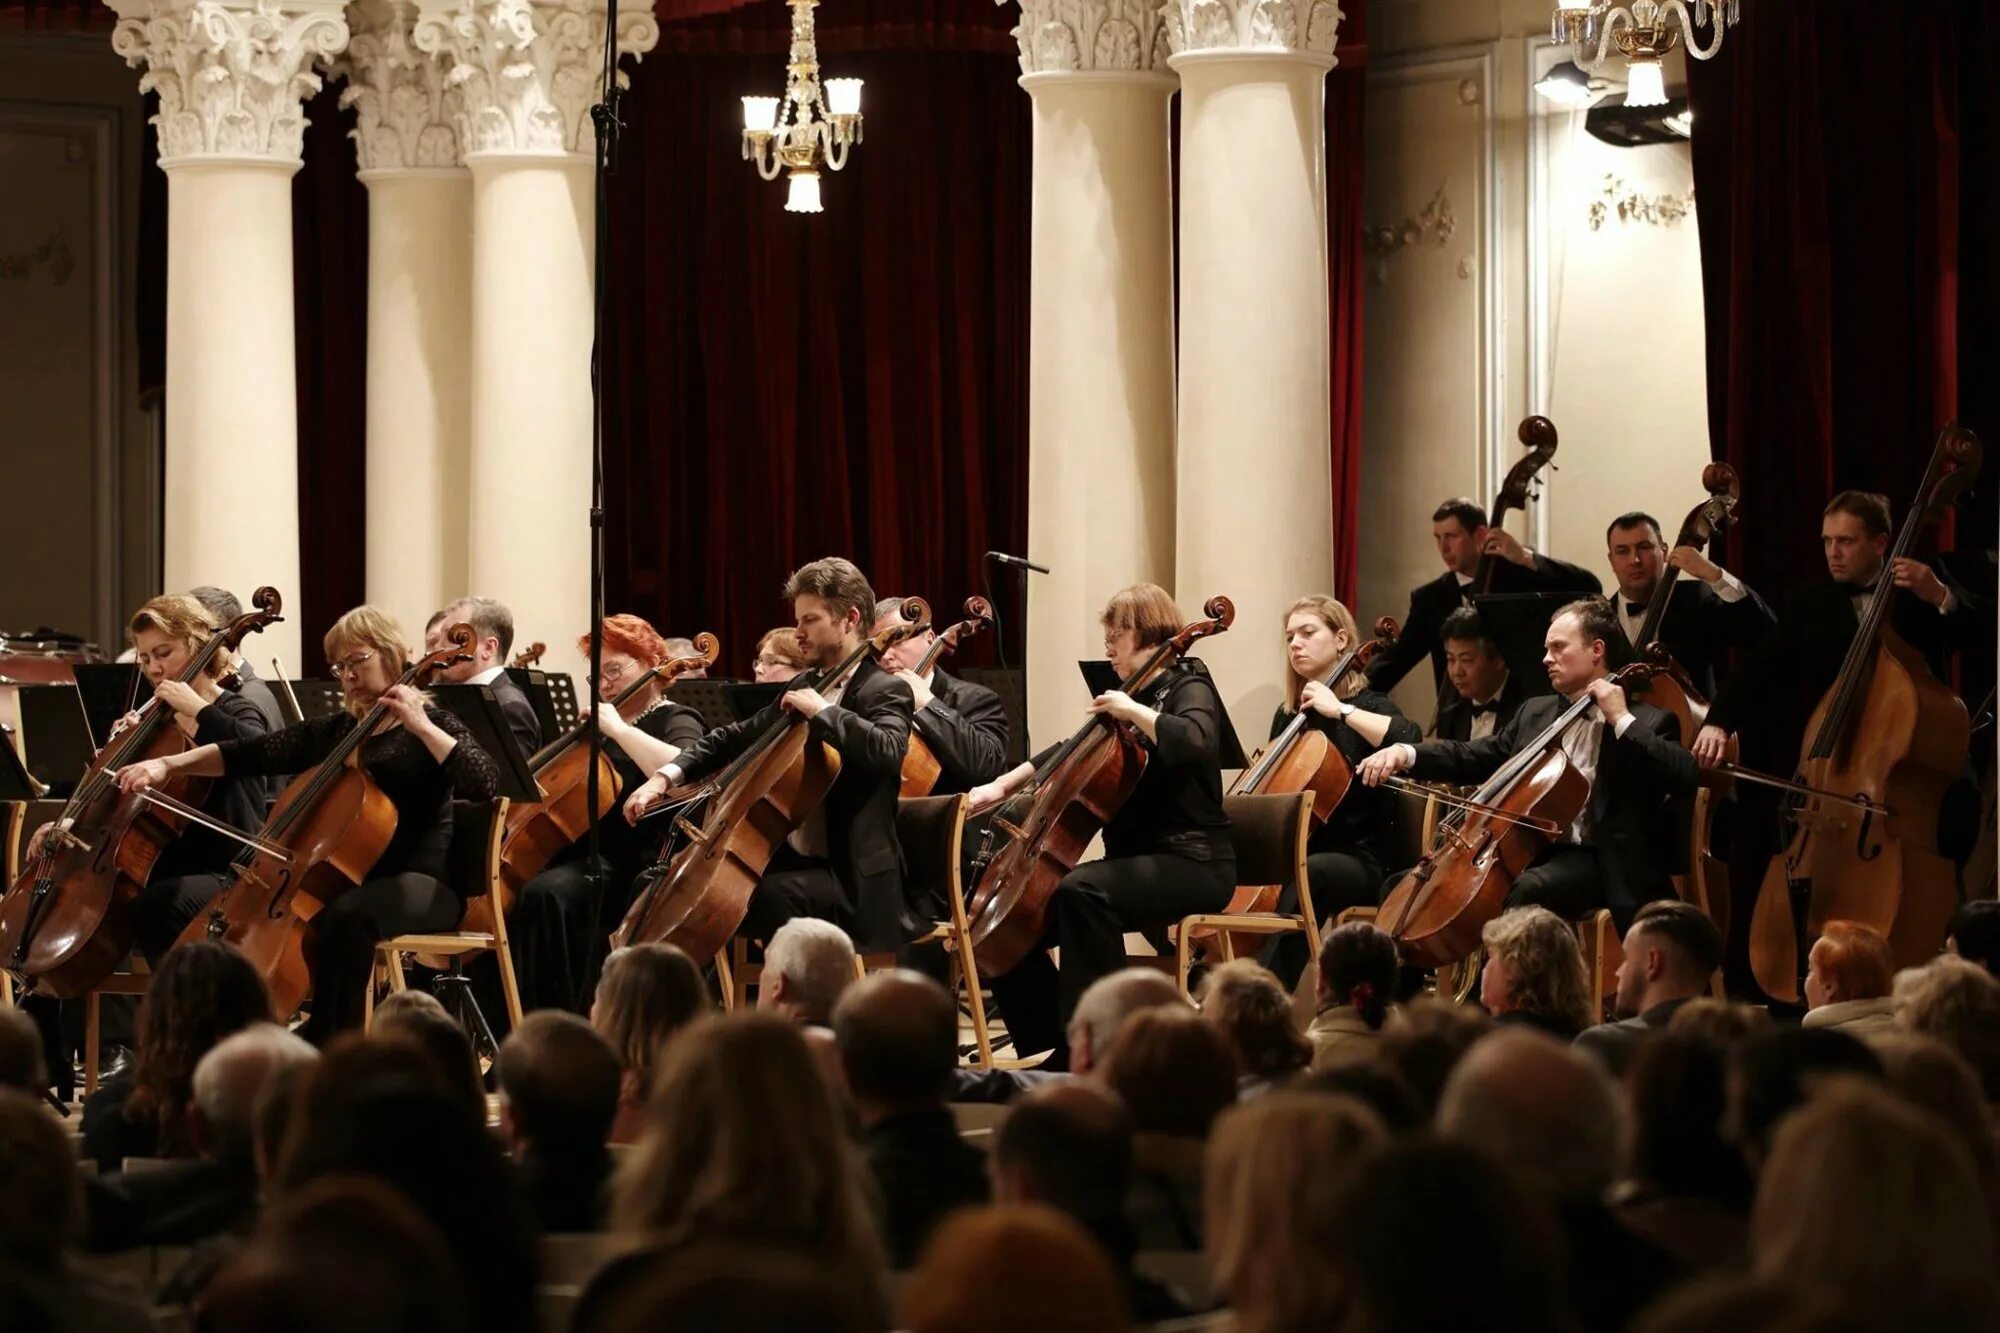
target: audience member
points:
(1847, 981)
(1534, 973)
(1100, 1012)
(1376, 1086)
(1553, 1114)
(1069, 1145)
(1932, 1077)
(1245, 1003)
(1357, 980)
(1957, 1002)
(1686, 1187)
(1871, 1200)
(808, 965)
(432, 1030)
(1740, 1301)
(898, 1038)
(1672, 951)
(730, 1287)
(1771, 1074)
(744, 1143)
(645, 994)
(560, 1081)
(1011, 1267)
(1274, 1207)
(22, 1066)
(1974, 933)
(1423, 1041)
(1724, 1022)
(1175, 1074)
(201, 993)
(1500, 1266)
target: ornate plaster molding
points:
(405, 117)
(526, 75)
(1299, 27)
(232, 77)
(1094, 36)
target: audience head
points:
(432, 1030)
(1958, 1002)
(1671, 953)
(1871, 1199)
(1548, 1111)
(1376, 1086)
(201, 993)
(1423, 1041)
(1724, 1022)
(1068, 1145)
(808, 965)
(969, 1278)
(1772, 1072)
(1849, 961)
(560, 1079)
(1677, 1091)
(1174, 1072)
(1739, 1301)
(898, 1037)
(41, 1200)
(1931, 1076)
(1357, 968)
(727, 1287)
(1249, 1007)
(1269, 1224)
(230, 1080)
(1974, 933)
(646, 994)
(1105, 1005)
(21, 1064)
(1534, 968)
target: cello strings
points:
(1443, 797)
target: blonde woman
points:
(1345, 866)
(420, 757)
(1534, 973)
(779, 657)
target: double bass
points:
(749, 808)
(1522, 484)
(67, 922)
(1049, 822)
(921, 769)
(1890, 739)
(327, 829)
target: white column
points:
(419, 313)
(1256, 514)
(232, 79)
(528, 75)
(1100, 332)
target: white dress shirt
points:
(488, 676)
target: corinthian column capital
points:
(406, 119)
(232, 76)
(525, 74)
(1277, 27)
(1091, 36)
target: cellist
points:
(558, 928)
(1167, 852)
(1711, 609)
(1618, 853)
(845, 863)
(420, 761)
(964, 724)
(1344, 864)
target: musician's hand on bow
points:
(807, 704)
(1694, 562)
(1710, 746)
(146, 773)
(643, 798)
(919, 691)
(1919, 578)
(1384, 764)
(1316, 696)
(1503, 543)
(180, 696)
(1610, 697)
(1120, 707)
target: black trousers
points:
(163, 909)
(1339, 880)
(795, 885)
(560, 931)
(1565, 879)
(1088, 916)
(342, 944)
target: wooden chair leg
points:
(982, 1035)
(397, 982)
(1183, 959)
(92, 1030)
(725, 979)
(368, 993)
(510, 987)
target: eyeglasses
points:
(765, 660)
(348, 666)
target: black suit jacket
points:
(966, 727)
(923, 1171)
(1454, 720)
(178, 1203)
(519, 712)
(1433, 601)
(1699, 627)
(870, 727)
(1630, 812)
(236, 801)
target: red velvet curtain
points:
(1346, 97)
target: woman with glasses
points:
(779, 657)
(420, 758)
(559, 925)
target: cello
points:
(327, 829)
(531, 656)
(921, 769)
(67, 923)
(1050, 822)
(1522, 484)
(1892, 739)
(749, 808)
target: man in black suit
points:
(1707, 612)
(1459, 528)
(223, 605)
(1485, 695)
(494, 624)
(845, 863)
(964, 724)
(1618, 852)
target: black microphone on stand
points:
(1017, 561)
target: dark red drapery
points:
(1346, 96)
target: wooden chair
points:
(1603, 954)
(477, 830)
(1269, 834)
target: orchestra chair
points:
(1269, 834)
(1603, 954)
(477, 831)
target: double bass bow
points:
(67, 922)
(921, 769)
(1891, 739)
(1049, 823)
(1670, 689)
(748, 809)
(327, 829)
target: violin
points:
(1670, 689)
(529, 656)
(1890, 739)
(921, 769)
(1049, 822)
(67, 922)
(1437, 911)
(1522, 484)
(749, 808)
(327, 830)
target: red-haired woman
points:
(559, 927)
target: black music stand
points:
(710, 698)
(1099, 677)
(16, 783)
(562, 699)
(1519, 624)
(1010, 683)
(748, 698)
(535, 684)
(55, 736)
(318, 697)
(109, 690)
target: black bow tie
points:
(1487, 709)
(1635, 608)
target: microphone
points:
(1017, 561)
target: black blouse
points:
(1360, 823)
(235, 801)
(417, 785)
(622, 845)
(1177, 806)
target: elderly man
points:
(1100, 1012)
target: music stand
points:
(109, 690)
(535, 684)
(1519, 624)
(562, 699)
(1010, 683)
(709, 698)
(55, 736)
(16, 783)
(318, 697)
(1099, 677)
(748, 698)
(478, 708)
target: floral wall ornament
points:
(53, 254)
(1433, 224)
(1659, 210)
(1303, 26)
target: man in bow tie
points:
(1707, 612)
(1484, 694)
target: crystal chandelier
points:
(1643, 31)
(802, 132)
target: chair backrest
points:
(476, 830)
(931, 829)
(1269, 834)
